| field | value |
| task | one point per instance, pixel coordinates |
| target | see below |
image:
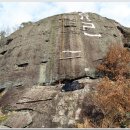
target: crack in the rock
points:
(27, 109)
(7, 126)
(22, 109)
(28, 125)
(98, 60)
(34, 101)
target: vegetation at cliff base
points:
(113, 91)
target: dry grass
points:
(116, 63)
(86, 124)
(113, 91)
(114, 99)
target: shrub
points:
(113, 98)
(116, 62)
(113, 90)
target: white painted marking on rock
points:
(87, 17)
(92, 35)
(81, 14)
(88, 25)
(72, 51)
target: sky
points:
(12, 14)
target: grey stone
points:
(2, 126)
(47, 105)
(37, 53)
(48, 51)
(19, 120)
(37, 93)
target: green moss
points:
(3, 117)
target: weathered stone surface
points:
(2, 126)
(65, 46)
(18, 120)
(52, 108)
(58, 48)
(36, 94)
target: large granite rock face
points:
(65, 46)
(58, 48)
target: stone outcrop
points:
(44, 106)
(37, 60)
(65, 46)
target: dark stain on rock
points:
(23, 65)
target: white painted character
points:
(92, 35)
(87, 17)
(89, 25)
(81, 14)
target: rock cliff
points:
(38, 56)
(65, 46)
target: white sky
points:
(12, 14)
